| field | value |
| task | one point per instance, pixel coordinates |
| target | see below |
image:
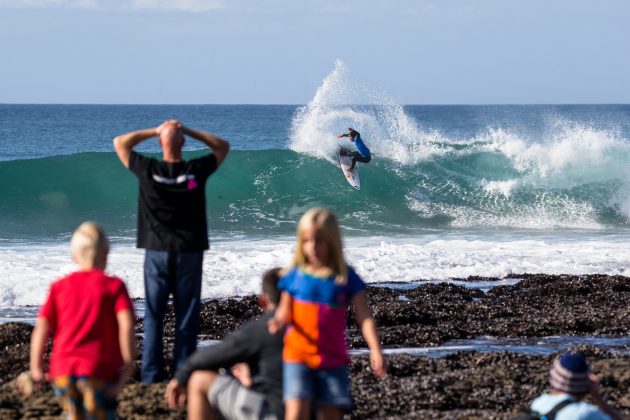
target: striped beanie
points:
(569, 373)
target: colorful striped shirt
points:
(316, 336)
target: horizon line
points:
(288, 104)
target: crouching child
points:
(212, 391)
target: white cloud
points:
(183, 5)
(23, 4)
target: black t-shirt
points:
(172, 202)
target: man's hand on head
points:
(176, 123)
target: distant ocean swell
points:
(472, 185)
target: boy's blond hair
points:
(89, 244)
(325, 221)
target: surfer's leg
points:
(359, 158)
(355, 157)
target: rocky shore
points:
(460, 385)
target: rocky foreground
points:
(461, 385)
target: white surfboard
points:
(351, 176)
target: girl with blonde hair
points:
(316, 292)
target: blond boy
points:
(90, 318)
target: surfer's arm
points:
(38, 345)
(366, 322)
(125, 143)
(219, 146)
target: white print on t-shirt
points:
(170, 181)
(192, 183)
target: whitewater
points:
(451, 192)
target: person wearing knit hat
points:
(569, 374)
(570, 380)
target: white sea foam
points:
(572, 155)
(543, 212)
(234, 267)
(499, 187)
(341, 102)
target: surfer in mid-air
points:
(362, 154)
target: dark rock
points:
(467, 385)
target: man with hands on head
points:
(172, 228)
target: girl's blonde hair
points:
(325, 222)
(89, 243)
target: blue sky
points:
(279, 51)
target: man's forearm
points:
(129, 140)
(125, 143)
(219, 146)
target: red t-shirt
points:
(81, 309)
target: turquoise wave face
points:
(265, 192)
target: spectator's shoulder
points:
(287, 277)
(575, 410)
(250, 335)
(138, 161)
(62, 281)
(352, 274)
(116, 281)
(55, 285)
(354, 281)
(206, 164)
(60, 286)
(583, 410)
(258, 324)
(205, 158)
(291, 272)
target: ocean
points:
(451, 191)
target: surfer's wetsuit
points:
(362, 154)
